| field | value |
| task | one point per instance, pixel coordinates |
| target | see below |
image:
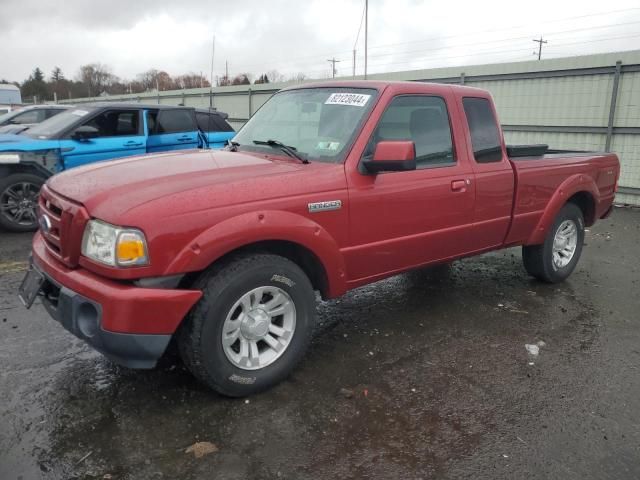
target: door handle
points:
(185, 138)
(132, 144)
(460, 185)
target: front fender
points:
(254, 227)
(568, 188)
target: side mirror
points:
(85, 132)
(392, 156)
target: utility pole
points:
(539, 42)
(366, 34)
(333, 62)
(226, 70)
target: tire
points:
(230, 370)
(19, 201)
(539, 259)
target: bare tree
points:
(147, 80)
(97, 78)
(241, 79)
(191, 80)
(275, 76)
(297, 77)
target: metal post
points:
(612, 108)
(462, 78)
(354, 63)
(250, 103)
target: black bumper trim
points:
(70, 309)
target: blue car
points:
(91, 133)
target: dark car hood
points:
(10, 142)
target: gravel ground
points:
(424, 375)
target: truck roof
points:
(382, 84)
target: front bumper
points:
(130, 325)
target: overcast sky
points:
(299, 36)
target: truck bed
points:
(538, 179)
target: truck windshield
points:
(320, 123)
(58, 124)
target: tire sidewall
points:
(568, 212)
(7, 182)
(226, 376)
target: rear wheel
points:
(19, 201)
(556, 258)
(252, 325)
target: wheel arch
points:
(578, 189)
(286, 234)
(30, 168)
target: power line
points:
(450, 46)
(516, 27)
(496, 52)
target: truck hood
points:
(110, 189)
(10, 142)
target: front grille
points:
(61, 224)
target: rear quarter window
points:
(485, 135)
(174, 121)
(212, 123)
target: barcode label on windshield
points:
(351, 99)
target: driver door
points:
(400, 220)
(120, 134)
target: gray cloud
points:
(292, 36)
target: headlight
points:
(9, 158)
(115, 246)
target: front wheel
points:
(252, 325)
(556, 258)
(19, 201)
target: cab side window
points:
(485, 136)
(423, 120)
(116, 123)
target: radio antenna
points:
(206, 134)
(213, 51)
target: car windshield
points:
(320, 123)
(58, 124)
(7, 116)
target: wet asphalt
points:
(424, 375)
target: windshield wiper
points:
(289, 150)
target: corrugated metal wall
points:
(564, 102)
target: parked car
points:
(91, 133)
(328, 187)
(29, 116)
(10, 98)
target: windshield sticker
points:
(333, 146)
(79, 113)
(350, 99)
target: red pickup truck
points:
(328, 187)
